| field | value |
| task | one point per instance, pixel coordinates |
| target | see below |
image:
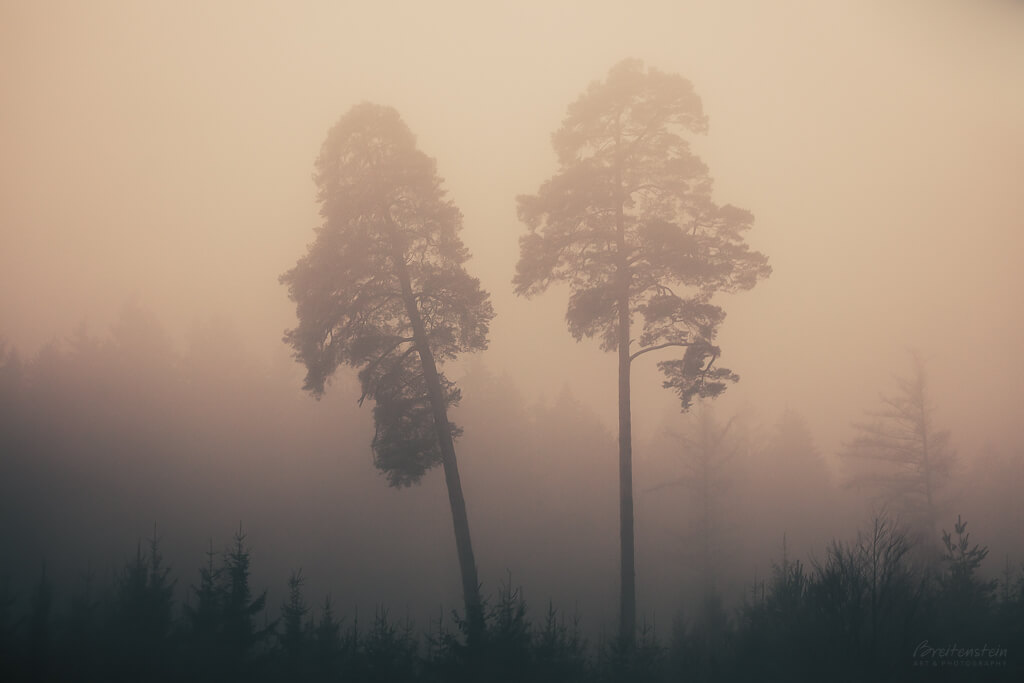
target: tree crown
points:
(388, 251)
(631, 207)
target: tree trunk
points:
(706, 525)
(627, 568)
(438, 404)
(627, 616)
(922, 420)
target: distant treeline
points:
(876, 608)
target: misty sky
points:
(162, 153)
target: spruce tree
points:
(295, 635)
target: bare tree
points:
(707, 449)
(899, 455)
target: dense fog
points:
(155, 165)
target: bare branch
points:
(656, 347)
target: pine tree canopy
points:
(631, 207)
(387, 260)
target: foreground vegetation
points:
(878, 607)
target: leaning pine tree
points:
(628, 222)
(383, 289)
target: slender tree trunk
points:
(627, 616)
(627, 568)
(439, 403)
(927, 482)
(922, 419)
(706, 525)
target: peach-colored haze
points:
(162, 152)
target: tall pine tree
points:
(628, 222)
(383, 289)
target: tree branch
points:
(379, 359)
(656, 347)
